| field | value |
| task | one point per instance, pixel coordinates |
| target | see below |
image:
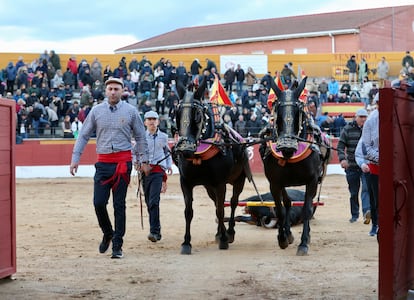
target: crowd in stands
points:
(58, 95)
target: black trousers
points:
(101, 195)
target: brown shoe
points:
(367, 217)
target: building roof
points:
(312, 25)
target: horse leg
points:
(188, 213)
(281, 217)
(311, 189)
(234, 202)
(287, 202)
(221, 236)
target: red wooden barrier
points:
(396, 190)
(7, 188)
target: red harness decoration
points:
(206, 151)
(121, 158)
(303, 152)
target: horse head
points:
(288, 117)
(193, 121)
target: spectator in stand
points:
(107, 73)
(145, 62)
(234, 114)
(20, 63)
(265, 82)
(323, 91)
(347, 144)
(135, 78)
(338, 123)
(373, 91)
(10, 77)
(128, 84)
(86, 78)
(44, 56)
(96, 70)
(69, 78)
(73, 66)
(212, 77)
(407, 60)
(133, 65)
(229, 77)
(240, 76)
(55, 60)
(119, 72)
(352, 70)
(182, 73)
(250, 77)
(333, 87)
(382, 72)
(240, 126)
(53, 119)
(161, 63)
(354, 97)
(365, 89)
(67, 128)
(253, 126)
(345, 89)
(123, 64)
(287, 75)
(195, 69)
(76, 127)
(363, 69)
(168, 72)
(57, 79)
(343, 98)
(210, 65)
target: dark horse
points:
(294, 153)
(208, 154)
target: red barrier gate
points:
(396, 190)
(7, 188)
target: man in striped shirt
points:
(115, 122)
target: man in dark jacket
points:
(239, 79)
(347, 144)
(195, 68)
(352, 69)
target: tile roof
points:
(270, 29)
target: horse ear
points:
(300, 87)
(275, 88)
(180, 89)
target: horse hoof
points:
(302, 251)
(230, 238)
(186, 249)
(291, 238)
(283, 243)
(223, 245)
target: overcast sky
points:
(99, 27)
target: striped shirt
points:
(158, 149)
(115, 127)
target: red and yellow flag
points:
(218, 95)
(304, 95)
(272, 96)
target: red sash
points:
(373, 169)
(121, 158)
(158, 169)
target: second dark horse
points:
(295, 153)
(208, 154)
